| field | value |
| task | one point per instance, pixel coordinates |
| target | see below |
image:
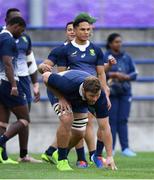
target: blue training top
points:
(81, 57)
(7, 48)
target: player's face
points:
(91, 98)
(18, 30)
(116, 44)
(70, 32)
(12, 15)
(82, 32)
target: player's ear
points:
(83, 91)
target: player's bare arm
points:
(102, 77)
(10, 74)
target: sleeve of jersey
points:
(100, 57)
(7, 48)
(106, 58)
(62, 57)
(133, 72)
(29, 44)
(53, 56)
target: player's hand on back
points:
(14, 91)
(64, 106)
(45, 68)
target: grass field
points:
(140, 167)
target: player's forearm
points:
(102, 78)
(107, 140)
(34, 77)
(9, 71)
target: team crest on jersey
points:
(24, 38)
(92, 52)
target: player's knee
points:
(24, 122)
(104, 124)
(46, 77)
(67, 120)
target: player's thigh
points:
(21, 112)
(124, 107)
(4, 114)
(91, 119)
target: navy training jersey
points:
(124, 64)
(24, 47)
(68, 83)
(81, 57)
(53, 56)
(7, 48)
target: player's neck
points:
(115, 51)
(8, 28)
(79, 42)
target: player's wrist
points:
(36, 84)
(14, 85)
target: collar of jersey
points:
(6, 31)
(81, 47)
(81, 92)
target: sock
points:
(4, 154)
(62, 153)
(99, 148)
(90, 154)
(23, 153)
(81, 154)
(3, 140)
(50, 150)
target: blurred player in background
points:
(119, 81)
(26, 67)
(11, 94)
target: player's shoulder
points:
(5, 36)
(65, 48)
(58, 49)
(25, 37)
(95, 47)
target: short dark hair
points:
(71, 22)
(78, 21)
(17, 20)
(92, 84)
(111, 38)
(11, 10)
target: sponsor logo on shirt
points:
(25, 39)
(74, 54)
(83, 55)
(92, 52)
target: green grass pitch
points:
(140, 167)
